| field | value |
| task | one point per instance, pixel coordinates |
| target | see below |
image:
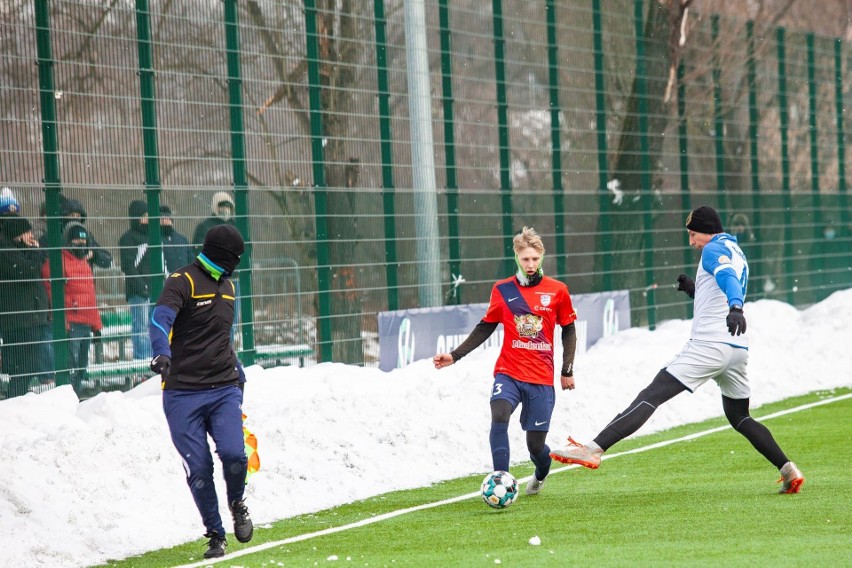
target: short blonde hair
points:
(525, 238)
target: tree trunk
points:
(625, 218)
(339, 53)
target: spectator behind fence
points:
(137, 277)
(830, 260)
(24, 315)
(82, 318)
(176, 250)
(222, 207)
(73, 212)
(9, 207)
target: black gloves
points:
(736, 321)
(686, 284)
(161, 365)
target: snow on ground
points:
(81, 483)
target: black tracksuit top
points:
(202, 355)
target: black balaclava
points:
(223, 246)
(166, 230)
(77, 231)
(14, 227)
(135, 211)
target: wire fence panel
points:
(143, 123)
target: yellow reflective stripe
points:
(227, 297)
(192, 288)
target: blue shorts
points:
(538, 401)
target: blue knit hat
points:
(8, 203)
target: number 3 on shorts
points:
(498, 388)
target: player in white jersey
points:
(717, 349)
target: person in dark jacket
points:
(202, 379)
(222, 207)
(24, 309)
(176, 250)
(137, 277)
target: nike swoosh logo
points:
(513, 299)
(540, 423)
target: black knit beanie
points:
(223, 245)
(75, 231)
(14, 227)
(704, 220)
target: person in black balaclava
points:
(137, 276)
(74, 212)
(202, 379)
(176, 249)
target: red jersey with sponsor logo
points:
(529, 315)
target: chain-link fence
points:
(139, 124)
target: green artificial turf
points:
(709, 501)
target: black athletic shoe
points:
(215, 546)
(243, 527)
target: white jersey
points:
(716, 290)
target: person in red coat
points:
(82, 317)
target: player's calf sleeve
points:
(737, 413)
(662, 388)
(499, 439)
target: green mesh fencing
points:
(584, 119)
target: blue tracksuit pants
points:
(191, 415)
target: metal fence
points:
(585, 119)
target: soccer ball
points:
(499, 489)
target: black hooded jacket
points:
(67, 207)
(23, 297)
(100, 257)
(134, 254)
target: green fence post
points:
(556, 141)
(683, 148)
(52, 188)
(450, 146)
(388, 187)
(753, 134)
(814, 139)
(503, 133)
(324, 320)
(602, 150)
(148, 104)
(718, 118)
(644, 148)
(841, 138)
(238, 164)
(756, 261)
(786, 196)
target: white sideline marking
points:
(392, 514)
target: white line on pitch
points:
(392, 514)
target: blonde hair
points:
(525, 238)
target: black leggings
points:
(664, 387)
(501, 411)
(736, 411)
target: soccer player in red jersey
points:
(529, 305)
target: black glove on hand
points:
(686, 284)
(736, 321)
(161, 365)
